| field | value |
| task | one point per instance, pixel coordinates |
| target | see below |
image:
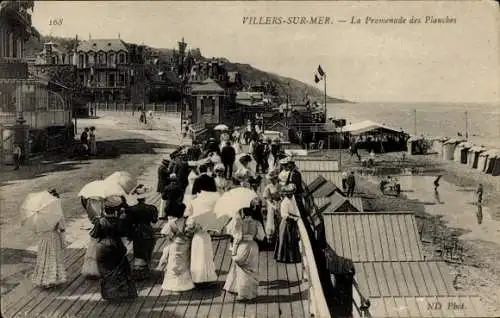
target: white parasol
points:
(252, 166)
(124, 179)
(41, 211)
(101, 189)
(221, 127)
(232, 201)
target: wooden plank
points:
(391, 278)
(381, 277)
(371, 278)
(285, 301)
(397, 237)
(144, 289)
(206, 300)
(218, 301)
(445, 273)
(413, 239)
(375, 235)
(401, 307)
(427, 277)
(390, 306)
(409, 279)
(404, 234)
(419, 279)
(412, 306)
(437, 279)
(337, 235)
(35, 295)
(353, 240)
(346, 247)
(391, 239)
(303, 290)
(360, 239)
(400, 279)
(423, 306)
(368, 240)
(273, 292)
(41, 303)
(261, 306)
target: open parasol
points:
(124, 179)
(221, 127)
(101, 189)
(232, 201)
(41, 211)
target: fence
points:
(131, 107)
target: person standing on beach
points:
(436, 186)
(17, 155)
(479, 194)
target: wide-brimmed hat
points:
(219, 167)
(288, 189)
(140, 192)
(113, 201)
(285, 161)
(245, 158)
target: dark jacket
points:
(162, 178)
(351, 181)
(181, 170)
(228, 155)
(173, 194)
(295, 177)
(139, 217)
(204, 182)
(212, 147)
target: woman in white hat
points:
(220, 182)
(287, 247)
(272, 197)
(176, 253)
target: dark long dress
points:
(112, 261)
(140, 217)
(287, 247)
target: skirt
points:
(243, 276)
(89, 268)
(202, 258)
(287, 248)
(49, 269)
(177, 274)
(116, 282)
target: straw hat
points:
(140, 192)
(112, 201)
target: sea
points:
(432, 119)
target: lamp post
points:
(182, 72)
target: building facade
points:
(27, 105)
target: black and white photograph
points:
(249, 159)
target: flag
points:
(316, 78)
(320, 71)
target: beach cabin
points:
(416, 146)
(461, 152)
(483, 159)
(490, 162)
(437, 146)
(473, 156)
(338, 203)
(495, 171)
(449, 148)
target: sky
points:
(457, 62)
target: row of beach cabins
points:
(475, 157)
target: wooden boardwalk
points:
(281, 292)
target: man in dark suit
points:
(163, 176)
(204, 182)
(173, 194)
(181, 170)
(228, 156)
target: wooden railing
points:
(360, 304)
(318, 306)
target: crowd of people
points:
(88, 141)
(190, 181)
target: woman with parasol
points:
(243, 276)
(44, 213)
(287, 247)
(112, 261)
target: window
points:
(102, 58)
(111, 80)
(91, 58)
(111, 59)
(122, 58)
(81, 61)
(121, 80)
(53, 60)
(208, 105)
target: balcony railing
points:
(13, 68)
(318, 306)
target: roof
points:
(311, 164)
(327, 190)
(374, 236)
(367, 126)
(334, 176)
(334, 202)
(411, 289)
(105, 45)
(208, 85)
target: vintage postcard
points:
(249, 159)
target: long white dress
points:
(271, 191)
(89, 268)
(187, 194)
(202, 254)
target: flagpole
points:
(324, 80)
